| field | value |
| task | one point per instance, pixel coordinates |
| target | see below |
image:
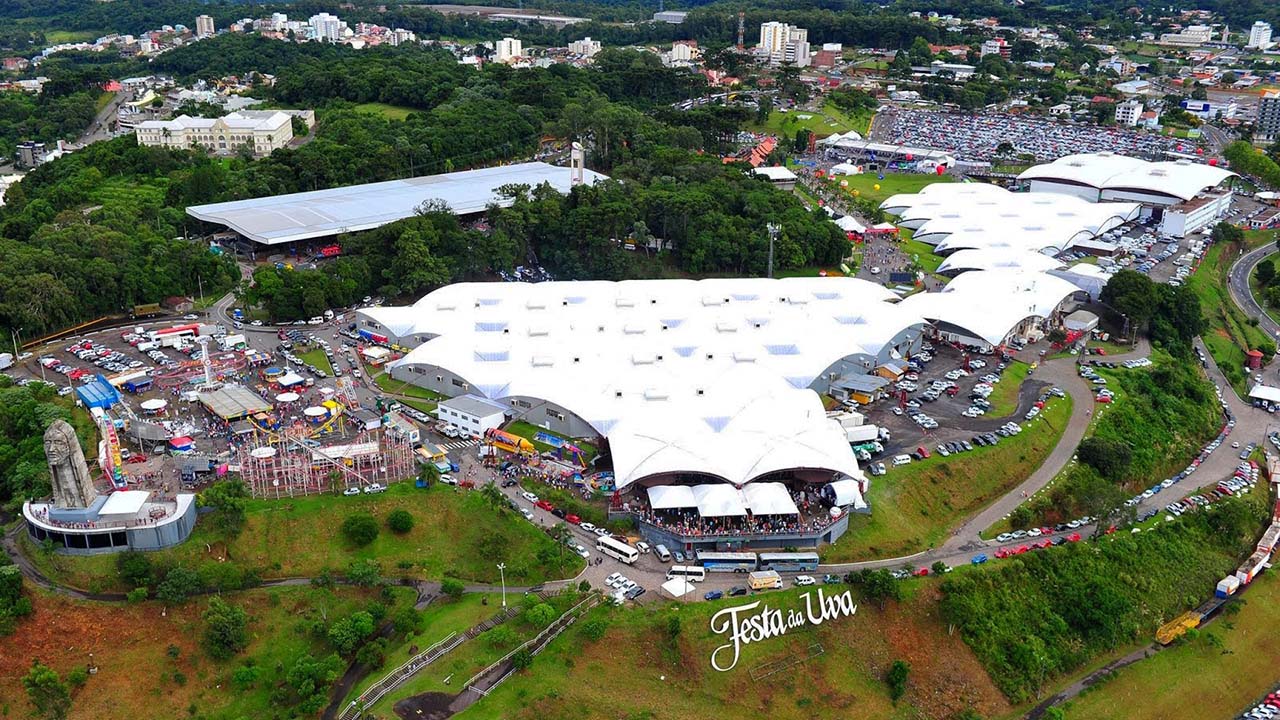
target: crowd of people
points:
(156, 514)
(690, 524)
(978, 137)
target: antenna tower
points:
(741, 28)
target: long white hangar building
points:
(709, 385)
(281, 219)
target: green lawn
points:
(635, 670)
(455, 534)
(317, 358)
(390, 112)
(1004, 396)
(922, 252)
(914, 507)
(828, 121)
(528, 431)
(57, 37)
(1228, 329)
(892, 184)
(126, 191)
(407, 389)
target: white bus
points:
(692, 573)
(619, 550)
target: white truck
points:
(6, 361)
(861, 433)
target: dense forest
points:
(71, 265)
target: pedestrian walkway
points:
(459, 444)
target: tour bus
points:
(692, 573)
(618, 550)
(727, 561)
(789, 562)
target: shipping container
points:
(1251, 567)
(1227, 586)
(861, 433)
(1269, 538)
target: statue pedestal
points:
(78, 515)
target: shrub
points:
(594, 630)
(134, 567)
(224, 632)
(364, 573)
(136, 595)
(540, 615)
(400, 521)
(897, 679)
(360, 529)
(452, 587)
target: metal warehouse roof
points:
(321, 213)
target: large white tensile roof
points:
(998, 259)
(946, 194)
(990, 302)
(324, 213)
(705, 376)
(1107, 171)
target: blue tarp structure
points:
(98, 394)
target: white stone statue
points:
(72, 484)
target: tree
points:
(938, 568)
(400, 521)
(348, 632)
(134, 567)
(540, 615)
(879, 585)
(49, 696)
(406, 620)
(310, 679)
(1111, 458)
(228, 499)
(897, 679)
(594, 630)
(178, 584)
(364, 573)
(1020, 517)
(522, 659)
(360, 529)
(452, 587)
(224, 631)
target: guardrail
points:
(396, 677)
(538, 643)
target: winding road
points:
(1242, 295)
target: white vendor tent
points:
(848, 224)
(718, 500)
(670, 497)
(769, 498)
(1265, 392)
(678, 587)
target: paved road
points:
(100, 128)
(1238, 284)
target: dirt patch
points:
(128, 644)
(427, 706)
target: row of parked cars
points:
(1268, 709)
(1242, 480)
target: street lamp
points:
(13, 335)
(502, 572)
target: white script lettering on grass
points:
(773, 622)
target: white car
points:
(615, 580)
(256, 323)
(351, 491)
(527, 514)
(190, 316)
(583, 552)
(529, 496)
(803, 580)
(374, 488)
(589, 527)
(875, 271)
(448, 480)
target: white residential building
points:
(204, 26)
(263, 130)
(326, 27)
(1128, 113)
(781, 43)
(1260, 36)
(682, 54)
(586, 47)
(279, 21)
(507, 49)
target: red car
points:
(924, 451)
(1002, 553)
(1046, 543)
(921, 572)
(1074, 537)
(1110, 530)
(1022, 549)
(573, 519)
(543, 504)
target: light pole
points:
(13, 335)
(502, 572)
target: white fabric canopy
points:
(679, 587)
(720, 500)
(847, 492)
(1265, 392)
(667, 497)
(769, 499)
(848, 224)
